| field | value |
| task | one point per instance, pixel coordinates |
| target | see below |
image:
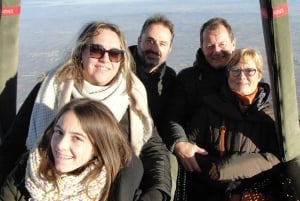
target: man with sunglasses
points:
(150, 55)
(217, 43)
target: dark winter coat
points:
(158, 84)
(154, 154)
(191, 84)
(252, 152)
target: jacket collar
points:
(139, 65)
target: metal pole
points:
(276, 27)
(9, 47)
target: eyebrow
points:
(73, 132)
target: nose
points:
(155, 46)
(62, 143)
(242, 74)
(217, 48)
(105, 58)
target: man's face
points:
(217, 46)
(154, 46)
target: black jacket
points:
(252, 152)
(154, 154)
(250, 136)
(191, 84)
(159, 86)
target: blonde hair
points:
(244, 55)
(73, 68)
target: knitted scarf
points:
(70, 186)
(51, 97)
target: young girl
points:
(77, 158)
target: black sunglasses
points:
(97, 52)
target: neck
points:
(246, 100)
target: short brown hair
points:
(158, 19)
(213, 24)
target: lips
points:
(152, 56)
(60, 156)
(102, 67)
(219, 56)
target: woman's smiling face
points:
(101, 71)
(244, 77)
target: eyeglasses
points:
(97, 52)
(236, 71)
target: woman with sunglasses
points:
(100, 68)
(236, 127)
(78, 157)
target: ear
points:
(260, 75)
(170, 50)
(234, 43)
(139, 40)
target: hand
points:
(185, 151)
(214, 172)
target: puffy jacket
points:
(251, 143)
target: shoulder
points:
(189, 72)
(138, 87)
(132, 47)
(170, 71)
(169, 75)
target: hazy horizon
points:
(48, 29)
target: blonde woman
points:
(100, 68)
(237, 129)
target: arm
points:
(14, 142)
(246, 165)
(156, 181)
(13, 188)
(258, 153)
(181, 107)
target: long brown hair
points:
(111, 147)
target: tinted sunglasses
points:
(97, 52)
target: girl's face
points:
(71, 147)
(101, 70)
(244, 77)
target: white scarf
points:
(70, 186)
(52, 97)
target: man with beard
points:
(205, 77)
(150, 54)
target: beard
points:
(150, 59)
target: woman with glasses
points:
(236, 127)
(100, 68)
